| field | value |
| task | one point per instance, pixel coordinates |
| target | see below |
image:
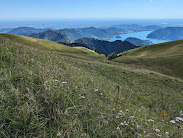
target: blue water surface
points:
(141, 35)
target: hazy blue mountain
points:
(129, 26)
(106, 47)
(138, 42)
(102, 34)
(51, 35)
(92, 32)
(113, 31)
(25, 31)
(72, 34)
(5, 30)
(136, 27)
(152, 27)
(118, 36)
(169, 33)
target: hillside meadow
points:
(51, 90)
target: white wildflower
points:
(101, 94)
(64, 82)
(172, 121)
(96, 90)
(157, 130)
(56, 80)
(179, 126)
(66, 112)
(139, 135)
(118, 128)
(179, 119)
(159, 135)
(127, 110)
(120, 111)
(117, 116)
(46, 81)
(125, 123)
(121, 123)
(150, 120)
(82, 97)
(59, 134)
(166, 134)
(138, 126)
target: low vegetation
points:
(51, 90)
(165, 58)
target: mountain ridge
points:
(106, 47)
(168, 33)
(25, 31)
(51, 35)
(138, 42)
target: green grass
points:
(52, 46)
(49, 89)
(165, 58)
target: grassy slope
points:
(35, 101)
(52, 46)
(166, 58)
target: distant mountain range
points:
(106, 47)
(136, 27)
(138, 42)
(52, 36)
(5, 30)
(91, 37)
(169, 33)
(64, 36)
(25, 31)
(92, 32)
(74, 34)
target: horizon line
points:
(16, 19)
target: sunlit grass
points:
(48, 94)
(165, 58)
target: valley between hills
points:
(54, 90)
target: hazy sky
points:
(20, 9)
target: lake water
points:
(141, 35)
